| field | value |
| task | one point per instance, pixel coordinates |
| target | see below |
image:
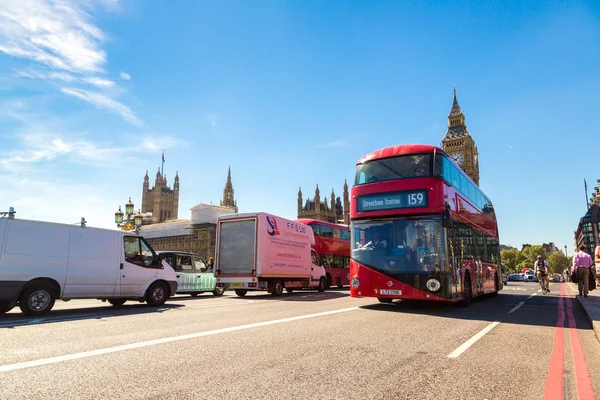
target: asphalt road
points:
(304, 345)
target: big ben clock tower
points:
(459, 145)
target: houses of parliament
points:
(457, 143)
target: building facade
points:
(334, 211)
(459, 144)
(197, 234)
(161, 201)
(588, 228)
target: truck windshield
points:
(236, 247)
(388, 169)
(399, 246)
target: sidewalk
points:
(590, 304)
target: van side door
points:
(138, 267)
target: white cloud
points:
(334, 143)
(59, 34)
(61, 37)
(125, 76)
(102, 101)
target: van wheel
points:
(218, 292)
(322, 284)
(241, 292)
(277, 288)
(467, 291)
(157, 294)
(36, 300)
(116, 302)
(4, 308)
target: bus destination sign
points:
(392, 201)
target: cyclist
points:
(540, 269)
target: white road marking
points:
(531, 296)
(515, 308)
(108, 350)
(462, 348)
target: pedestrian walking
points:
(581, 266)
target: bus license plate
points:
(391, 292)
(237, 285)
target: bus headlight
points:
(433, 285)
(355, 282)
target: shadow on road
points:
(79, 314)
(537, 311)
(297, 295)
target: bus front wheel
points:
(467, 291)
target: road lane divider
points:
(131, 346)
(515, 308)
(462, 348)
(554, 379)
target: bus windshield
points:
(399, 246)
(387, 169)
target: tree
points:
(511, 258)
(530, 253)
(557, 263)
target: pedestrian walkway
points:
(590, 304)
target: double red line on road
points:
(556, 371)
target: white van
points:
(43, 261)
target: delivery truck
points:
(41, 262)
(260, 251)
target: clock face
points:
(458, 157)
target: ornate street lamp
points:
(10, 214)
(128, 221)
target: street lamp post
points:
(128, 221)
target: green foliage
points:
(511, 259)
(557, 262)
(530, 253)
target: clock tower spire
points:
(458, 144)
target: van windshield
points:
(137, 251)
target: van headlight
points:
(433, 285)
(355, 282)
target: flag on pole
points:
(163, 158)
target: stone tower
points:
(228, 198)
(332, 211)
(161, 200)
(459, 145)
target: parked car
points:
(193, 274)
(529, 278)
(515, 277)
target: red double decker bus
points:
(420, 229)
(332, 244)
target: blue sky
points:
(293, 93)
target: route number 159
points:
(415, 199)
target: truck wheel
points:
(36, 300)
(218, 292)
(277, 288)
(116, 302)
(241, 292)
(322, 284)
(5, 307)
(157, 294)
